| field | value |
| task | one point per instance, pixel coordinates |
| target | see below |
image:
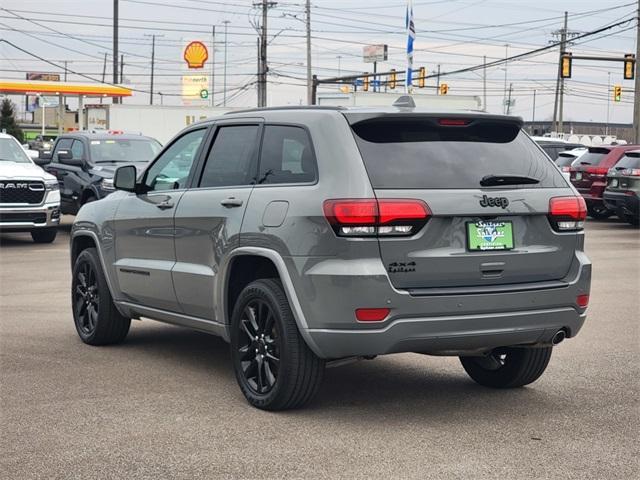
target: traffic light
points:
(444, 89)
(617, 93)
(393, 79)
(422, 80)
(629, 66)
(565, 65)
(365, 82)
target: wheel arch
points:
(81, 240)
(270, 263)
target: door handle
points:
(165, 205)
(231, 202)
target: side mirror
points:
(66, 157)
(45, 156)
(125, 178)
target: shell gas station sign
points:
(195, 86)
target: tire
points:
(508, 367)
(599, 212)
(89, 198)
(274, 367)
(44, 235)
(97, 320)
(632, 219)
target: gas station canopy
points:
(63, 89)
(33, 87)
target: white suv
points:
(29, 196)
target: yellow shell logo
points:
(195, 54)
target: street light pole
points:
(636, 94)
(115, 45)
(224, 87)
(309, 79)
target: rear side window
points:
(629, 161)
(594, 156)
(63, 144)
(287, 156)
(420, 153)
(77, 150)
(565, 159)
(231, 159)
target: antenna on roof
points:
(405, 101)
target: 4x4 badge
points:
(494, 202)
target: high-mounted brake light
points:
(453, 122)
(370, 217)
(567, 213)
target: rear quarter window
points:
(421, 154)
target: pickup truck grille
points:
(27, 217)
(21, 191)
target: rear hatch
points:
(588, 168)
(625, 175)
(492, 232)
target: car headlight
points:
(51, 185)
(107, 184)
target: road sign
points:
(375, 53)
(204, 93)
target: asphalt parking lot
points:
(165, 404)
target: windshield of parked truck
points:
(11, 151)
(124, 150)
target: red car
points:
(589, 175)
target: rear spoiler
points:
(473, 117)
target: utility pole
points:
(309, 79)
(115, 45)
(153, 62)
(533, 114)
(259, 84)
(558, 101)
(65, 70)
(606, 128)
(505, 107)
(104, 70)
(213, 62)
(509, 99)
(484, 83)
(263, 54)
(438, 81)
(636, 91)
(339, 57)
(121, 68)
(224, 88)
(563, 47)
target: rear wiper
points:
(496, 180)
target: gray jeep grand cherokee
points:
(307, 236)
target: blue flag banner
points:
(411, 35)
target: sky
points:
(453, 34)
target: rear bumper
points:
(24, 219)
(622, 203)
(330, 290)
(451, 335)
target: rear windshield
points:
(565, 159)
(420, 153)
(628, 161)
(594, 156)
(121, 150)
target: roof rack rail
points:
(287, 107)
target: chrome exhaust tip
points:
(558, 337)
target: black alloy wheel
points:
(86, 299)
(274, 367)
(259, 349)
(97, 320)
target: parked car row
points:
(606, 176)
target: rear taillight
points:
(566, 169)
(631, 172)
(370, 217)
(583, 300)
(567, 213)
(597, 171)
(372, 314)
